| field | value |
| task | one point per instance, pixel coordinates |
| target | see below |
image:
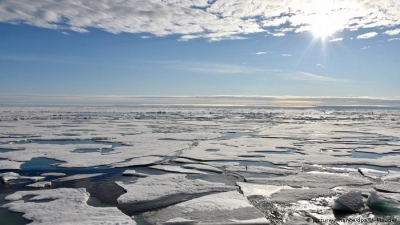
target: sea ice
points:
(68, 206)
(259, 169)
(374, 174)
(10, 165)
(383, 204)
(351, 202)
(159, 187)
(79, 176)
(53, 174)
(40, 184)
(141, 161)
(6, 177)
(393, 187)
(176, 169)
(392, 175)
(316, 180)
(202, 167)
(250, 189)
(222, 208)
(134, 173)
(286, 196)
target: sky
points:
(301, 48)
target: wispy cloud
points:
(367, 35)
(287, 55)
(365, 48)
(336, 39)
(213, 68)
(262, 53)
(306, 76)
(392, 32)
(394, 39)
(214, 20)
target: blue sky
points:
(191, 48)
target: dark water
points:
(103, 190)
(357, 166)
(370, 155)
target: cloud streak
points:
(306, 76)
(190, 19)
(367, 35)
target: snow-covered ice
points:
(79, 176)
(176, 169)
(222, 208)
(315, 180)
(67, 206)
(134, 173)
(158, 187)
(306, 155)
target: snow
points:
(53, 174)
(222, 208)
(40, 184)
(183, 160)
(393, 187)
(6, 177)
(202, 167)
(142, 161)
(315, 180)
(179, 141)
(9, 165)
(286, 196)
(79, 176)
(374, 174)
(134, 173)
(392, 175)
(176, 169)
(159, 186)
(259, 169)
(250, 189)
(68, 206)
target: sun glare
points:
(326, 20)
(322, 26)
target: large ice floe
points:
(222, 208)
(162, 190)
(199, 165)
(64, 206)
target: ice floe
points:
(315, 180)
(79, 176)
(222, 208)
(53, 174)
(67, 206)
(159, 187)
(350, 202)
(202, 167)
(176, 169)
(40, 184)
(387, 186)
(134, 173)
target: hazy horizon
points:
(216, 100)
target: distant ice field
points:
(197, 165)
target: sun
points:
(322, 26)
(326, 19)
